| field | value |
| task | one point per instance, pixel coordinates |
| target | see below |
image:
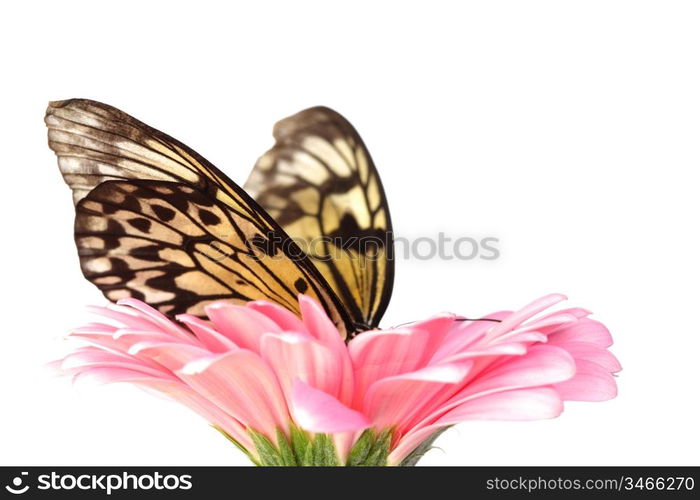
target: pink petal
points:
(525, 313)
(316, 411)
(590, 352)
(577, 312)
(343, 442)
(438, 327)
(170, 355)
(542, 365)
(243, 325)
(160, 321)
(208, 336)
(112, 375)
(210, 412)
(410, 442)
(510, 349)
(243, 385)
(124, 316)
(286, 320)
(541, 325)
(321, 327)
(300, 356)
(384, 353)
(520, 336)
(132, 336)
(592, 382)
(318, 323)
(403, 399)
(102, 341)
(90, 358)
(97, 328)
(54, 369)
(464, 334)
(521, 404)
(584, 330)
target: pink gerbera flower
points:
(289, 391)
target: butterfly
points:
(156, 221)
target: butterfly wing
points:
(156, 221)
(320, 184)
(95, 142)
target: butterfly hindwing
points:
(320, 184)
(156, 221)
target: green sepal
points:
(324, 451)
(285, 450)
(362, 448)
(302, 449)
(269, 454)
(371, 449)
(301, 445)
(238, 445)
(422, 449)
(380, 449)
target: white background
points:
(569, 130)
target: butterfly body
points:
(158, 222)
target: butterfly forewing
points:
(177, 249)
(320, 184)
(95, 142)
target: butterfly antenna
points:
(461, 318)
(478, 319)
